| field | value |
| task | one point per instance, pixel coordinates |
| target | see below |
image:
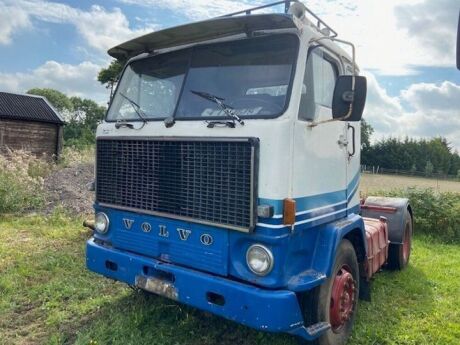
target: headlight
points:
(259, 259)
(101, 223)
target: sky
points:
(405, 48)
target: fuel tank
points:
(377, 244)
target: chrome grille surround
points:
(211, 181)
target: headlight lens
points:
(101, 223)
(259, 259)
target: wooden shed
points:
(29, 122)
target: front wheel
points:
(336, 300)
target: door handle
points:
(353, 141)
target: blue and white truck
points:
(227, 174)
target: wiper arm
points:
(137, 108)
(229, 111)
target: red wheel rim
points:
(343, 298)
(406, 245)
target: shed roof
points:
(27, 108)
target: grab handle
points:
(353, 131)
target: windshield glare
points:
(251, 76)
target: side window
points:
(319, 82)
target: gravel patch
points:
(67, 187)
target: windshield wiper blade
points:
(137, 108)
(229, 111)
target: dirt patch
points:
(67, 187)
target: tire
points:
(318, 304)
(399, 254)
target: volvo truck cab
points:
(227, 174)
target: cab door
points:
(353, 165)
(320, 161)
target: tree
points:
(411, 154)
(429, 168)
(57, 99)
(81, 126)
(87, 112)
(81, 115)
(366, 132)
(109, 76)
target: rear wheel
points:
(399, 254)
(336, 300)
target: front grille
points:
(206, 181)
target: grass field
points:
(372, 183)
(48, 297)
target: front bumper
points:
(265, 310)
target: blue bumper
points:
(265, 310)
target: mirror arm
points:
(350, 111)
(353, 79)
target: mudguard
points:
(324, 251)
(329, 241)
(393, 209)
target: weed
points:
(21, 181)
(436, 214)
(72, 156)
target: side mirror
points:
(458, 42)
(344, 97)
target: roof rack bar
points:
(320, 21)
(287, 4)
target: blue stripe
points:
(314, 221)
(324, 219)
(307, 202)
(320, 200)
(331, 208)
(354, 209)
(355, 181)
(353, 186)
(315, 209)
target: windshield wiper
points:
(229, 111)
(137, 108)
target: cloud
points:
(204, 9)
(11, 20)
(396, 37)
(432, 97)
(101, 28)
(196, 9)
(431, 24)
(421, 110)
(73, 80)
(392, 38)
(381, 110)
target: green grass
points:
(48, 297)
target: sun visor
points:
(201, 31)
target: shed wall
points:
(36, 137)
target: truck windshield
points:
(252, 76)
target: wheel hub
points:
(343, 298)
